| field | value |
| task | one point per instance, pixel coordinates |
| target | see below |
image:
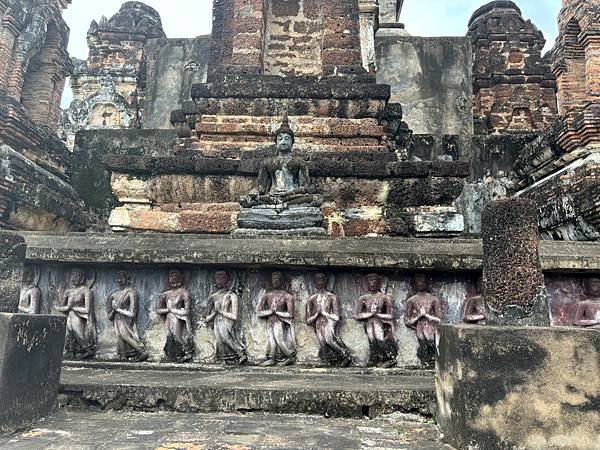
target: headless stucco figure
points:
(424, 315)
(277, 307)
(323, 314)
(123, 312)
(474, 308)
(78, 305)
(30, 301)
(175, 307)
(588, 310)
(223, 315)
(376, 310)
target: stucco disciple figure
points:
(474, 307)
(175, 307)
(223, 316)
(123, 313)
(376, 310)
(588, 310)
(424, 315)
(78, 306)
(323, 314)
(30, 301)
(277, 307)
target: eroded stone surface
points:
(512, 272)
(514, 387)
(330, 392)
(30, 362)
(12, 259)
(165, 431)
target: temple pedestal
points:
(273, 221)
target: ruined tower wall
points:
(35, 193)
(513, 85)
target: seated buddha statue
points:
(283, 181)
(284, 201)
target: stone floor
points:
(88, 429)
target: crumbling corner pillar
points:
(12, 259)
(512, 274)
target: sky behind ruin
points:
(190, 18)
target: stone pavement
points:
(87, 429)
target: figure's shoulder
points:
(411, 298)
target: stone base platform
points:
(193, 389)
(271, 221)
(519, 387)
(30, 364)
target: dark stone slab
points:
(31, 348)
(357, 165)
(92, 180)
(12, 259)
(288, 219)
(519, 387)
(382, 253)
(298, 88)
(340, 393)
(512, 271)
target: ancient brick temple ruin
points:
(310, 185)
(35, 192)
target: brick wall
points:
(33, 57)
(313, 37)
(514, 89)
(576, 58)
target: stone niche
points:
(250, 284)
(519, 387)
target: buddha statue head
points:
(284, 137)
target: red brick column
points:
(341, 41)
(238, 27)
(8, 36)
(592, 65)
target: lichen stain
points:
(547, 410)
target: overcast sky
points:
(190, 18)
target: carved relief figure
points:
(283, 181)
(376, 310)
(31, 295)
(474, 308)
(424, 315)
(323, 314)
(277, 306)
(223, 315)
(588, 310)
(78, 305)
(175, 307)
(123, 312)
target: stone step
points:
(194, 389)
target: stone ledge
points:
(341, 394)
(356, 253)
(260, 88)
(318, 166)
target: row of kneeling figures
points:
(276, 307)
